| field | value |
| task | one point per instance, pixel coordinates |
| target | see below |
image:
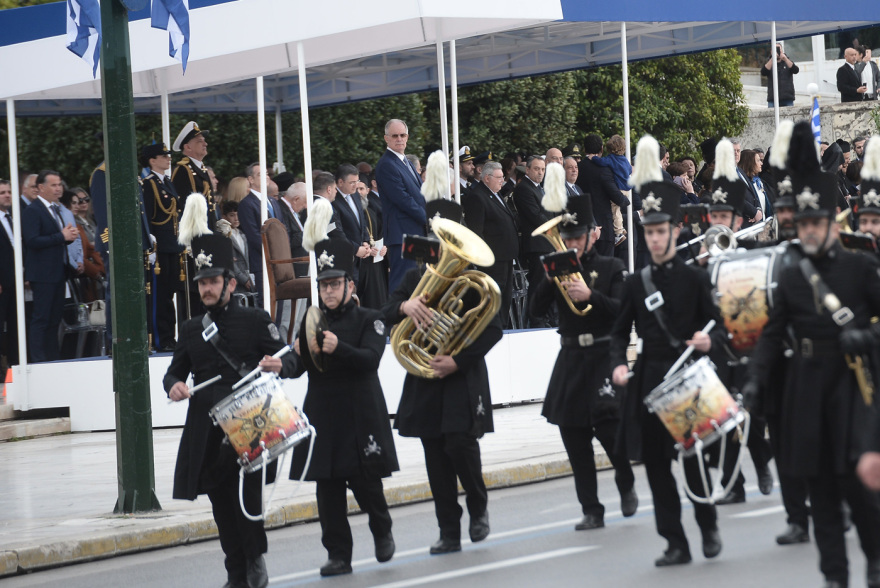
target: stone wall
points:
(838, 121)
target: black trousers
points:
(398, 266)
(827, 491)
(578, 443)
(240, 538)
(502, 273)
(793, 489)
(664, 490)
(9, 318)
(333, 512)
(535, 275)
(451, 456)
(168, 284)
(605, 248)
(43, 332)
(759, 448)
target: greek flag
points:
(814, 120)
(173, 16)
(84, 31)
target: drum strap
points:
(222, 348)
(657, 306)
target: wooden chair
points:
(283, 283)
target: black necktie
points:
(57, 210)
(9, 220)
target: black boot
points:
(445, 545)
(257, 576)
(793, 534)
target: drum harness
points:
(843, 318)
(654, 303)
(211, 334)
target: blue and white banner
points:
(814, 120)
(84, 31)
(173, 16)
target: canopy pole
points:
(22, 394)
(630, 235)
(453, 82)
(264, 193)
(775, 73)
(166, 124)
(441, 93)
(279, 140)
(307, 152)
(818, 43)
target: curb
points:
(202, 528)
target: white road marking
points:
(761, 512)
(498, 565)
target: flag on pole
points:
(814, 120)
(173, 16)
(84, 31)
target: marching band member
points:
(580, 398)
(667, 318)
(827, 300)
(206, 463)
(450, 412)
(354, 447)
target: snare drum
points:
(260, 418)
(693, 404)
(744, 283)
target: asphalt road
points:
(533, 543)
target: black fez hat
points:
(726, 195)
(577, 218)
(661, 202)
(443, 208)
(483, 158)
(212, 254)
(334, 259)
(148, 152)
(845, 146)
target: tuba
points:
(462, 302)
(550, 231)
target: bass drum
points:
(744, 282)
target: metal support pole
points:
(630, 235)
(279, 140)
(775, 73)
(166, 124)
(453, 81)
(441, 94)
(131, 377)
(307, 150)
(22, 393)
(264, 193)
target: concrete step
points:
(6, 412)
(26, 429)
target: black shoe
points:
(711, 543)
(257, 576)
(479, 527)
(335, 567)
(590, 521)
(793, 534)
(765, 480)
(673, 557)
(629, 502)
(445, 545)
(733, 497)
(384, 548)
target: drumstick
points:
(198, 387)
(281, 352)
(687, 352)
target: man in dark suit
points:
(251, 221)
(8, 316)
(527, 197)
(403, 206)
(849, 83)
(488, 216)
(598, 182)
(45, 239)
(293, 202)
(351, 215)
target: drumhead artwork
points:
(690, 402)
(741, 289)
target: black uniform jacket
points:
(688, 307)
(187, 179)
(345, 402)
(249, 335)
(458, 403)
(163, 212)
(820, 406)
(581, 375)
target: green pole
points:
(131, 382)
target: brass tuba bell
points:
(550, 231)
(462, 302)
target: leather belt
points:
(809, 348)
(584, 340)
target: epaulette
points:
(102, 167)
(105, 236)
